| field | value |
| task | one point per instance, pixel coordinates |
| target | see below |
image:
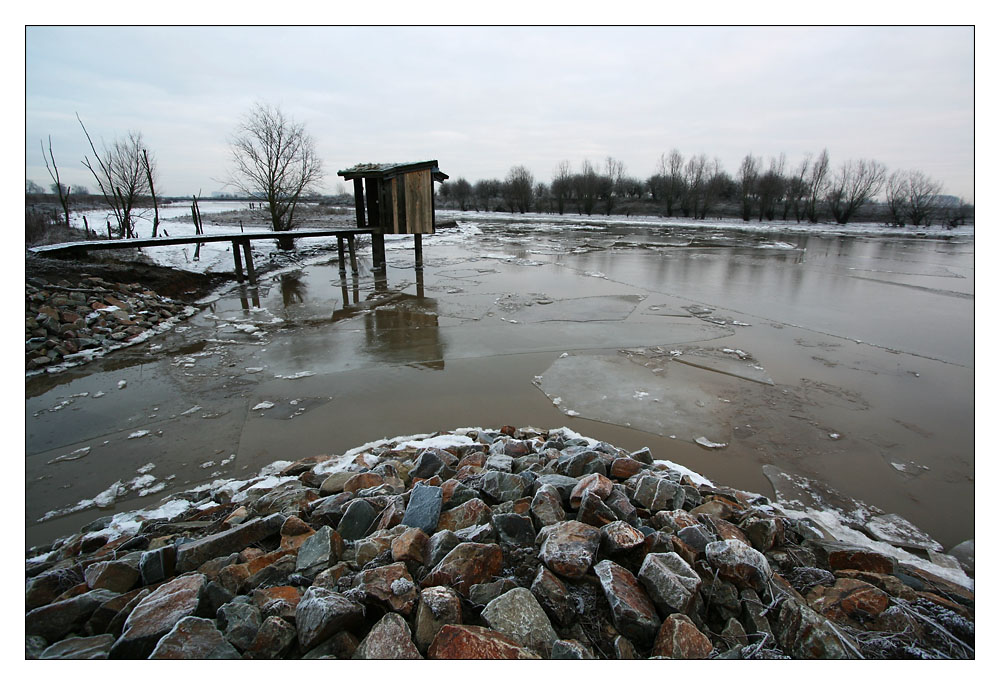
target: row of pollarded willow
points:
(811, 191)
(273, 159)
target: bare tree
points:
(818, 182)
(54, 174)
(32, 188)
(461, 192)
(275, 160)
(150, 169)
(586, 188)
(518, 189)
(797, 191)
(562, 185)
(895, 198)
(921, 198)
(747, 179)
(771, 188)
(695, 179)
(120, 176)
(856, 183)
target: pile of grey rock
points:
(64, 321)
(516, 543)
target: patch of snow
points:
(837, 526)
(693, 475)
(72, 456)
(300, 374)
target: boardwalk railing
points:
(240, 241)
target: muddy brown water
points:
(867, 342)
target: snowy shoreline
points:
(642, 511)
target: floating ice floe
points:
(196, 408)
(146, 468)
(72, 456)
(263, 405)
(705, 442)
(138, 434)
(300, 374)
(122, 384)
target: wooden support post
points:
(354, 256)
(239, 262)
(251, 273)
(340, 254)
(418, 250)
(378, 251)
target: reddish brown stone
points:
(849, 601)
(116, 576)
(281, 600)
(679, 638)
(155, 615)
(467, 473)
(619, 536)
(474, 459)
(233, 576)
(522, 506)
(472, 513)
(596, 483)
(634, 615)
(624, 468)
(889, 584)
(475, 642)
(593, 510)
(569, 547)
(391, 586)
(728, 531)
(468, 564)
(411, 546)
(362, 481)
(392, 516)
(860, 560)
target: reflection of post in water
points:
(292, 288)
(381, 281)
(406, 332)
(420, 282)
(254, 297)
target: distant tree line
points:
(698, 188)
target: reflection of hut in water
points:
(293, 288)
(405, 332)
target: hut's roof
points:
(390, 169)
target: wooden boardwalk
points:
(240, 241)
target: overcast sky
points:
(481, 100)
